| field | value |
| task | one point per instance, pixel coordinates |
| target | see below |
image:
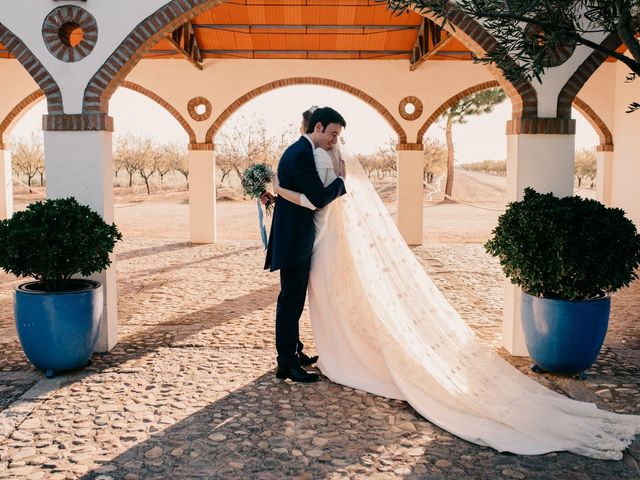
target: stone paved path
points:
(189, 391)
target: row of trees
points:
(492, 167)
(247, 141)
(132, 154)
(382, 163)
(135, 154)
(585, 167)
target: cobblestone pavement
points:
(189, 391)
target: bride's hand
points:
(342, 169)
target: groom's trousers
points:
(293, 291)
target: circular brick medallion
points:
(199, 108)
(70, 33)
(410, 108)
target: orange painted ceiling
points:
(314, 29)
(305, 29)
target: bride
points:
(381, 325)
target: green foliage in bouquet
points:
(570, 248)
(55, 239)
(255, 180)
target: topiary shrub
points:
(53, 240)
(569, 248)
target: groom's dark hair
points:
(325, 116)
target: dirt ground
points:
(165, 213)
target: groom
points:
(292, 236)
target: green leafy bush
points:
(571, 248)
(55, 239)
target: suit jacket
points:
(292, 228)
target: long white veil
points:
(436, 361)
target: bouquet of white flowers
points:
(254, 182)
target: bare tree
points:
(149, 155)
(162, 162)
(128, 153)
(225, 164)
(178, 158)
(585, 165)
(246, 141)
(435, 158)
(387, 158)
(28, 156)
(367, 162)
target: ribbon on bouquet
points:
(263, 230)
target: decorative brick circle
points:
(63, 27)
(408, 101)
(193, 105)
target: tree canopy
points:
(531, 34)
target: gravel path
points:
(190, 391)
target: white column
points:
(6, 187)
(545, 163)
(604, 175)
(409, 216)
(79, 164)
(202, 196)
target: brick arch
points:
(524, 99)
(286, 82)
(582, 74)
(605, 135)
(148, 32)
(176, 12)
(30, 62)
(606, 138)
(163, 103)
(16, 111)
(450, 103)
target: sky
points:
(481, 138)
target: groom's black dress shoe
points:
(306, 360)
(297, 374)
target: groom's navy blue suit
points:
(291, 242)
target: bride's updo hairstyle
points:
(306, 115)
(325, 116)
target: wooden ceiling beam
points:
(184, 40)
(306, 52)
(431, 39)
(252, 28)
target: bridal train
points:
(381, 325)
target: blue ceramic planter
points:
(564, 336)
(58, 330)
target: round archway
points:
(287, 82)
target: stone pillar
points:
(78, 162)
(604, 175)
(409, 215)
(6, 187)
(202, 193)
(540, 154)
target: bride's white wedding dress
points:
(381, 325)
